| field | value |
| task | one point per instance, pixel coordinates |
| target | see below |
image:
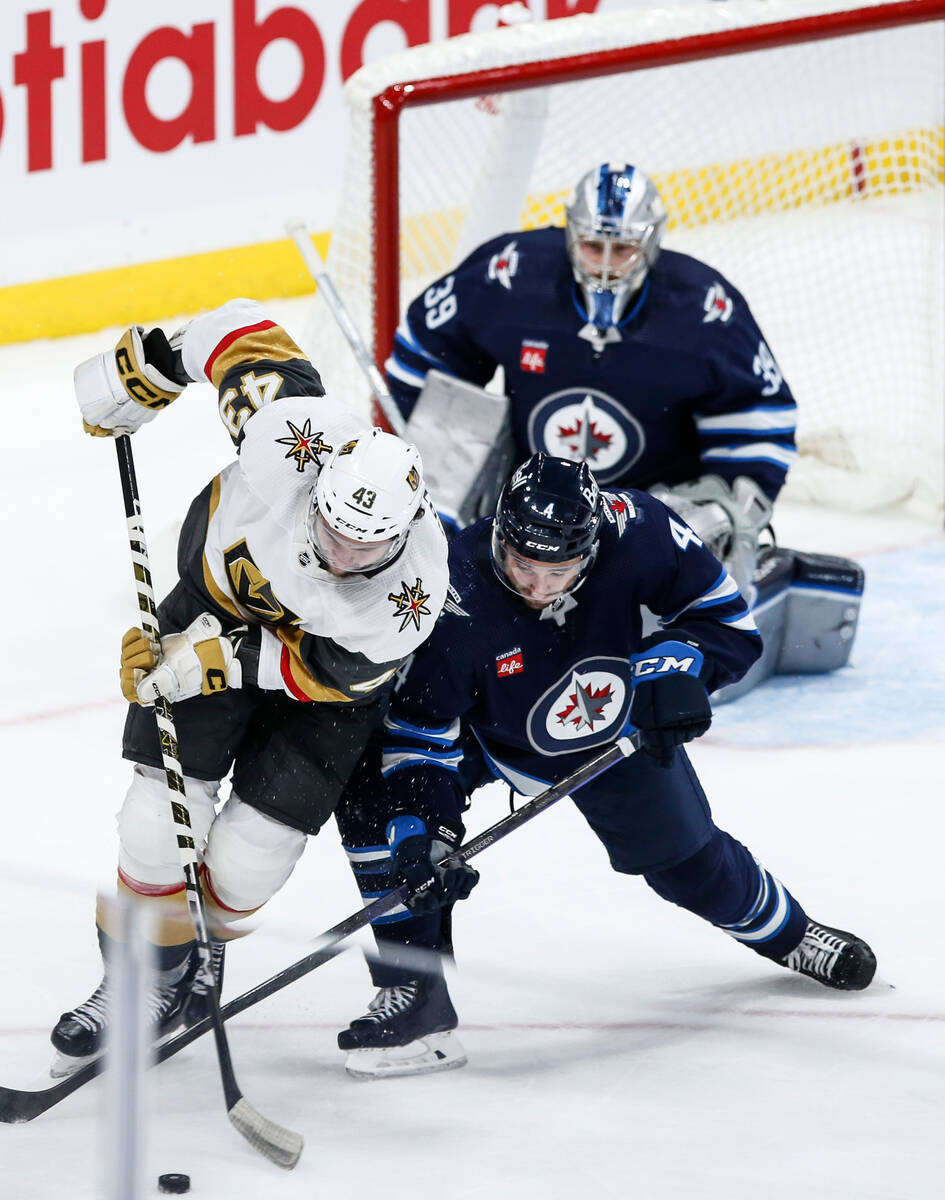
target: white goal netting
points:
(810, 174)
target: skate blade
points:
(436, 1052)
(64, 1065)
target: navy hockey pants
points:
(652, 821)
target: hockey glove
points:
(414, 855)
(196, 662)
(121, 390)
(670, 704)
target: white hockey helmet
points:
(366, 497)
(614, 223)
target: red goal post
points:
(799, 149)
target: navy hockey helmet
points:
(549, 512)
(614, 223)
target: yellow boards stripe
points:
(150, 292)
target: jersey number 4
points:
(683, 535)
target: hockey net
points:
(798, 148)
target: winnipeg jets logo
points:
(587, 425)
(304, 446)
(585, 704)
(584, 436)
(411, 604)
(502, 266)
(717, 305)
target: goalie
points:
(645, 363)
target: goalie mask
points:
(366, 497)
(544, 537)
(614, 222)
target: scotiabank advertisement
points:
(131, 132)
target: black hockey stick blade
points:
(17, 1106)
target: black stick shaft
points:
(173, 771)
(18, 1106)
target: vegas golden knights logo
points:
(413, 479)
(252, 589)
(304, 446)
(347, 447)
(410, 604)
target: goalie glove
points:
(415, 856)
(197, 662)
(122, 389)
(670, 704)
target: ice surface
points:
(617, 1046)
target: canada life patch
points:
(510, 663)
(532, 356)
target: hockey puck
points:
(174, 1185)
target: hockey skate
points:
(175, 998)
(407, 1030)
(833, 957)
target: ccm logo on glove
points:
(670, 705)
(660, 664)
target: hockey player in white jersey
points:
(310, 569)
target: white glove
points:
(120, 390)
(196, 662)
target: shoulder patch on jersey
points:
(304, 446)
(502, 266)
(410, 604)
(619, 510)
(454, 602)
(717, 305)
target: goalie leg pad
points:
(806, 610)
(822, 614)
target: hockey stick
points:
(316, 267)
(23, 1105)
(281, 1146)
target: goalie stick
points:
(19, 1105)
(280, 1145)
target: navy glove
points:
(414, 855)
(670, 704)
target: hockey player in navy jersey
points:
(647, 363)
(537, 660)
(643, 362)
(310, 568)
